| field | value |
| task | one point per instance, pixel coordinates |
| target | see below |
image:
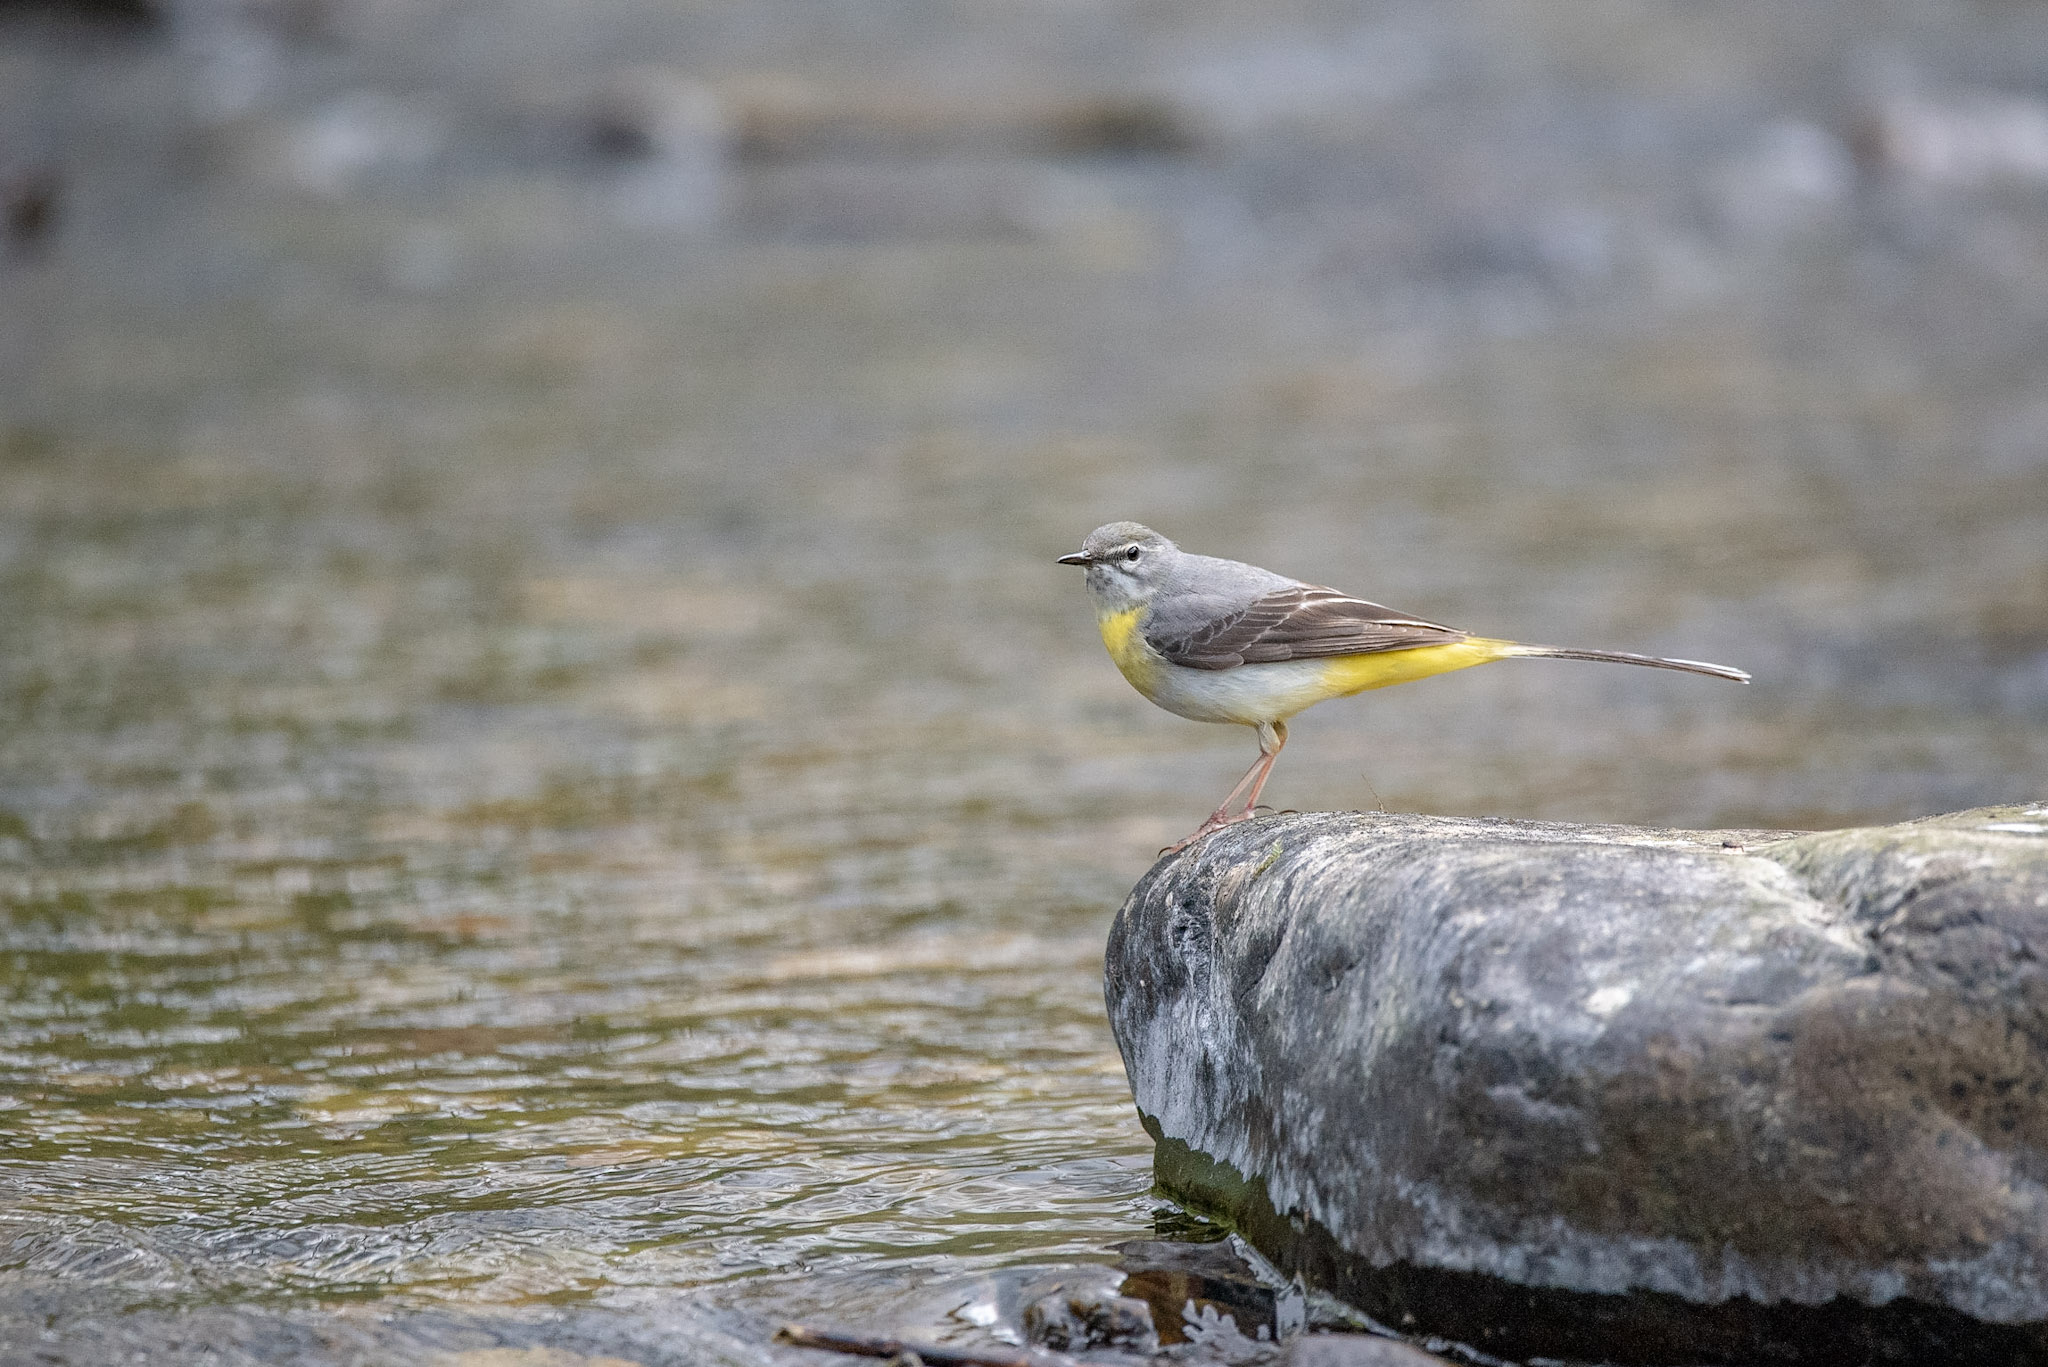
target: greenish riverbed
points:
(546, 771)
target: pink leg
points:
(1272, 736)
(1267, 758)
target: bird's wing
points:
(1298, 622)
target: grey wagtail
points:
(1216, 640)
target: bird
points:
(1222, 641)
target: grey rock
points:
(1607, 1092)
(1356, 1350)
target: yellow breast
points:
(1138, 662)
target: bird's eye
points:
(1131, 554)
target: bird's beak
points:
(1077, 558)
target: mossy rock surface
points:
(1615, 1093)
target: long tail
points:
(1622, 657)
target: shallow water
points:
(550, 790)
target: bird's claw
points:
(1214, 824)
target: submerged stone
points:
(1188, 1284)
(1612, 1093)
(1082, 1319)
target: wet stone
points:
(1088, 1319)
(1190, 1283)
(1614, 1093)
(1356, 1350)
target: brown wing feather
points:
(1301, 622)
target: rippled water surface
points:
(546, 771)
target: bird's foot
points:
(1216, 822)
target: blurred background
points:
(549, 784)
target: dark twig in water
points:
(930, 1354)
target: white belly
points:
(1246, 695)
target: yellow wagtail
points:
(1216, 640)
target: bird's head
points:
(1126, 563)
